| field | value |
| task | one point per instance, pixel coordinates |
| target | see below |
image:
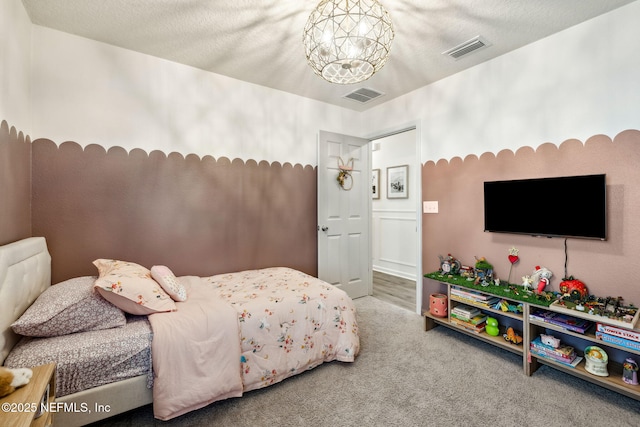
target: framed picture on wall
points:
(375, 184)
(398, 182)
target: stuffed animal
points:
(540, 278)
(10, 379)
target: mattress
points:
(90, 359)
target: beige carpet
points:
(405, 376)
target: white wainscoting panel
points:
(394, 242)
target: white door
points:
(344, 248)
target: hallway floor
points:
(395, 290)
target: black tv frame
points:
(564, 206)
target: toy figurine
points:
(512, 336)
(630, 371)
(505, 306)
(540, 278)
(484, 272)
(526, 282)
(467, 271)
(573, 288)
(491, 327)
(449, 265)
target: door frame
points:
(417, 126)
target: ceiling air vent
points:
(478, 42)
(363, 95)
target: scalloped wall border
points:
(140, 151)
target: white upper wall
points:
(396, 150)
(575, 84)
(94, 93)
(15, 46)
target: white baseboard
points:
(394, 272)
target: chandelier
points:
(348, 41)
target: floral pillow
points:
(66, 308)
(169, 282)
(130, 287)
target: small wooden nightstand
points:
(20, 408)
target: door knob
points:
(325, 228)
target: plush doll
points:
(10, 379)
(540, 278)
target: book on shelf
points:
(489, 303)
(571, 364)
(475, 320)
(465, 311)
(561, 349)
(482, 304)
(476, 329)
(567, 322)
(551, 355)
(613, 339)
(627, 334)
(472, 298)
(563, 352)
(455, 290)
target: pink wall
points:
(197, 216)
(15, 184)
(606, 267)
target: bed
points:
(233, 333)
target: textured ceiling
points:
(260, 41)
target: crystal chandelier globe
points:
(346, 41)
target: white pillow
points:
(169, 282)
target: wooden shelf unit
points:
(432, 321)
(530, 329)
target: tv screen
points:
(568, 206)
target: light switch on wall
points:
(430, 206)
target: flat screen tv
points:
(567, 206)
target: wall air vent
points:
(476, 43)
(363, 95)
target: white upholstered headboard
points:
(25, 272)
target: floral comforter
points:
(289, 322)
(247, 330)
